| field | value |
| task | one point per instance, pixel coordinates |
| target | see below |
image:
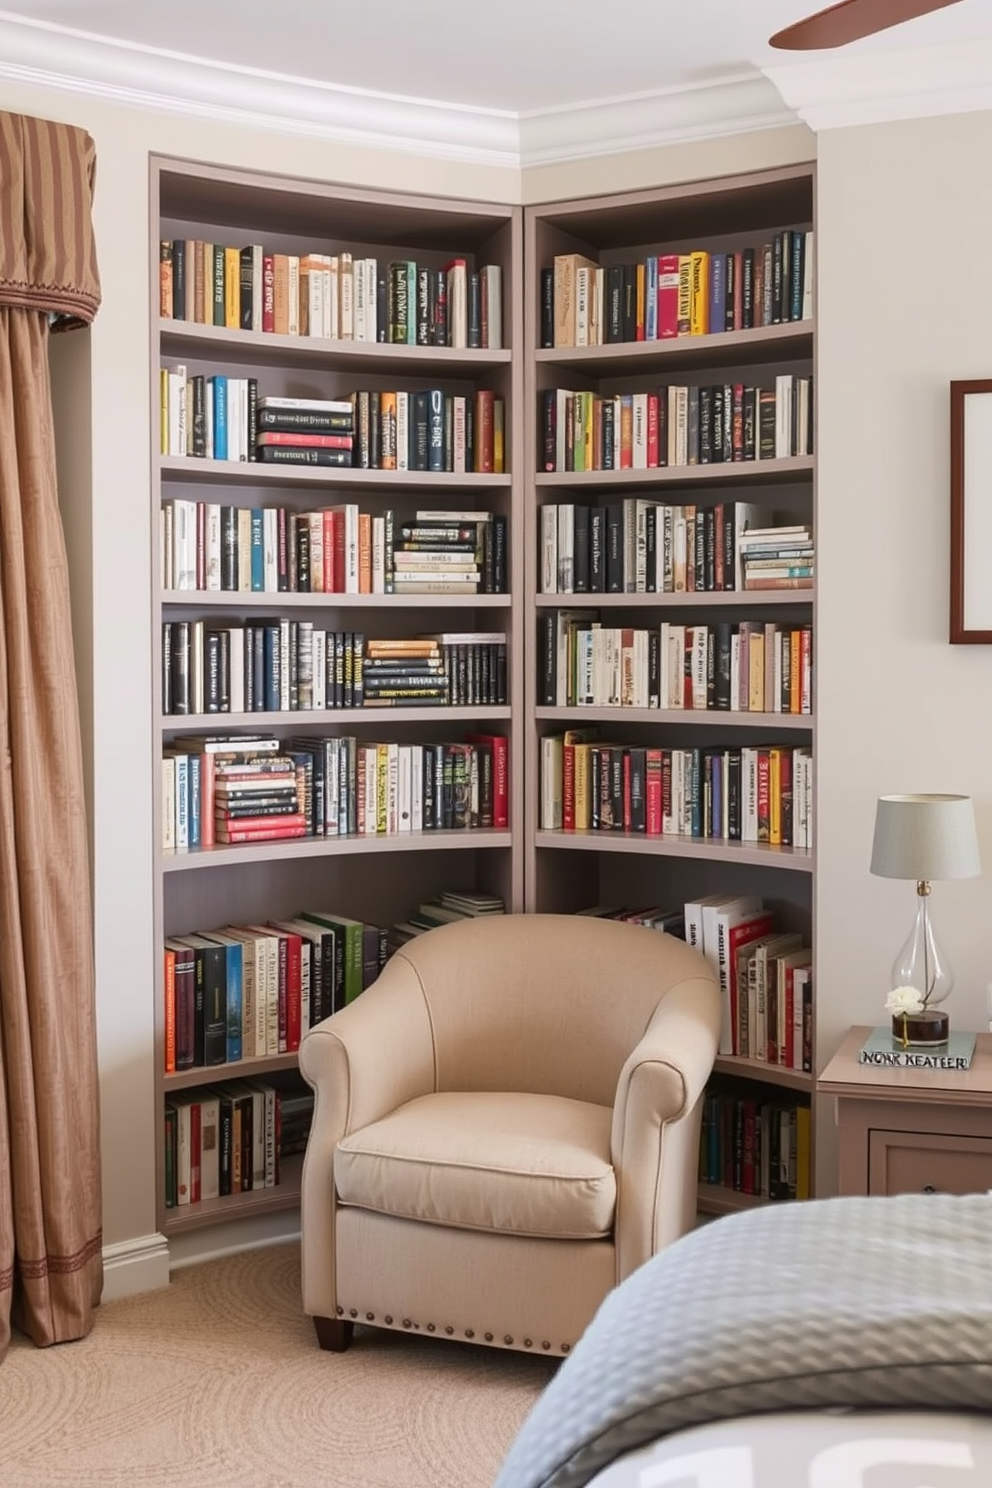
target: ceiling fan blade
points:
(850, 21)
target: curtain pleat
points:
(50, 1198)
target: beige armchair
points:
(506, 1125)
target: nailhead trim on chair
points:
(388, 1320)
(449, 1330)
(489, 1337)
(340, 1312)
(353, 1313)
(545, 1344)
(527, 1343)
(370, 1317)
(507, 1339)
(431, 1327)
(469, 1332)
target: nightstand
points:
(911, 1131)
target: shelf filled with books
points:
(670, 573)
(338, 473)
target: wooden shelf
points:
(225, 856)
(737, 473)
(743, 854)
(681, 718)
(717, 599)
(286, 1195)
(777, 343)
(183, 338)
(240, 1069)
(192, 471)
(210, 599)
(713, 1198)
(766, 1074)
(341, 718)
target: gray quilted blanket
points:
(879, 1303)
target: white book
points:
(561, 414)
(361, 293)
(270, 550)
(695, 927)
(332, 297)
(549, 549)
(311, 405)
(494, 293)
(639, 448)
(749, 794)
(212, 545)
(809, 273)
(293, 276)
(552, 747)
(726, 916)
(378, 555)
(783, 416)
(402, 431)
(346, 291)
(583, 296)
(416, 787)
(404, 821)
(236, 668)
(566, 548)
(168, 803)
(318, 652)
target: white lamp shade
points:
(925, 838)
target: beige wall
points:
(900, 207)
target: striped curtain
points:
(50, 1203)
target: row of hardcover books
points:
(641, 546)
(675, 426)
(747, 666)
(760, 794)
(691, 293)
(241, 789)
(231, 1139)
(251, 991)
(218, 417)
(759, 1147)
(207, 547)
(335, 296)
(286, 665)
(765, 977)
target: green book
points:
(351, 930)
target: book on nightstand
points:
(883, 1050)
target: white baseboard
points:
(132, 1266)
(218, 1240)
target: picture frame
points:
(971, 513)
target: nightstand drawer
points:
(919, 1162)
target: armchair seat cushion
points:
(511, 1162)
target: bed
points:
(832, 1344)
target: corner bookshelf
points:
(379, 879)
(571, 870)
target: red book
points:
(753, 928)
(261, 828)
(501, 775)
(738, 291)
(568, 788)
(305, 441)
(668, 295)
(764, 798)
(268, 293)
(653, 459)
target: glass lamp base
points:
(921, 1030)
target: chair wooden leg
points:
(334, 1334)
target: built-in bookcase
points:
(373, 878)
(568, 870)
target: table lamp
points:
(923, 837)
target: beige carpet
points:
(217, 1382)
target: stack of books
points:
(408, 672)
(448, 907)
(777, 557)
(304, 431)
(439, 554)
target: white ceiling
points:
(514, 83)
(517, 56)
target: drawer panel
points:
(919, 1162)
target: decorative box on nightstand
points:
(908, 1130)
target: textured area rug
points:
(217, 1382)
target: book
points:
(882, 1050)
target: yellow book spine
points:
(775, 797)
(583, 800)
(641, 301)
(232, 289)
(499, 437)
(626, 431)
(382, 789)
(756, 675)
(579, 431)
(685, 294)
(795, 671)
(700, 301)
(163, 409)
(588, 429)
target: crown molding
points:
(882, 86)
(737, 104)
(45, 55)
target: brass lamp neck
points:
(922, 887)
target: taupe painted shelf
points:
(684, 600)
(793, 340)
(239, 1069)
(713, 1198)
(192, 471)
(743, 854)
(187, 338)
(250, 599)
(737, 473)
(333, 718)
(681, 717)
(225, 856)
(286, 1195)
(767, 1074)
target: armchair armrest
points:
(656, 1121)
(362, 1063)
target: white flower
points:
(903, 1000)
